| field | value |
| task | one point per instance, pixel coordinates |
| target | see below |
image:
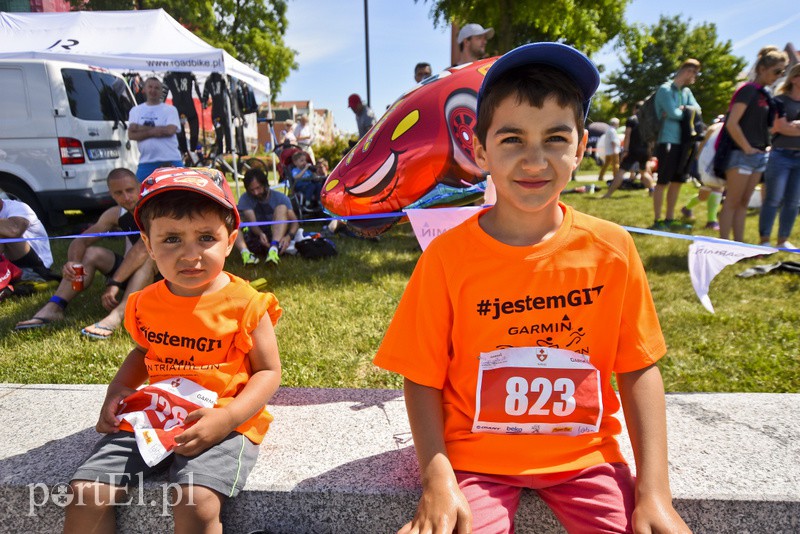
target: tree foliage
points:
(250, 30)
(603, 108)
(651, 55)
(585, 24)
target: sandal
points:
(95, 335)
(42, 322)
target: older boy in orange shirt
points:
(513, 323)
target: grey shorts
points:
(223, 468)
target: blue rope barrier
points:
(390, 215)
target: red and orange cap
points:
(208, 182)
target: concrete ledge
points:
(339, 460)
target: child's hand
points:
(107, 423)
(442, 509)
(211, 425)
(654, 516)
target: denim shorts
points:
(747, 164)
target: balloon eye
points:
(404, 125)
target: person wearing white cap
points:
(472, 42)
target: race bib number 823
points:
(537, 390)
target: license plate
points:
(103, 153)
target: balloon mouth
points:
(379, 180)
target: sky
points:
(330, 40)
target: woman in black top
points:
(749, 118)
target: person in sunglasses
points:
(750, 116)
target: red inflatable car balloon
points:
(418, 155)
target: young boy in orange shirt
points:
(201, 325)
(513, 323)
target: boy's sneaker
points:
(658, 225)
(248, 258)
(786, 244)
(712, 225)
(687, 215)
(677, 226)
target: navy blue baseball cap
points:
(560, 56)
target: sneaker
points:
(658, 225)
(687, 214)
(272, 255)
(712, 225)
(248, 258)
(786, 244)
(677, 226)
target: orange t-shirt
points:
(581, 298)
(205, 339)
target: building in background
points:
(34, 6)
(285, 115)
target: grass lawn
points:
(336, 311)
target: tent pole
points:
(229, 106)
(274, 143)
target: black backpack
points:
(649, 123)
(315, 247)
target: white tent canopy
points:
(147, 40)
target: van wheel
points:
(21, 192)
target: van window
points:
(97, 96)
(14, 104)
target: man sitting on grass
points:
(261, 204)
(32, 253)
(123, 276)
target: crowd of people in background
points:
(756, 142)
(760, 135)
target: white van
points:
(63, 127)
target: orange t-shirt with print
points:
(206, 339)
(523, 341)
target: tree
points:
(651, 55)
(250, 30)
(585, 24)
(603, 108)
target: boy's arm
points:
(213, 424)
(442, 507)
(132, 374)
(642, 394)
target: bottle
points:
(77, 282)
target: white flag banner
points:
(429, 223)
(708, 258)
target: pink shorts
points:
(592, 500)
